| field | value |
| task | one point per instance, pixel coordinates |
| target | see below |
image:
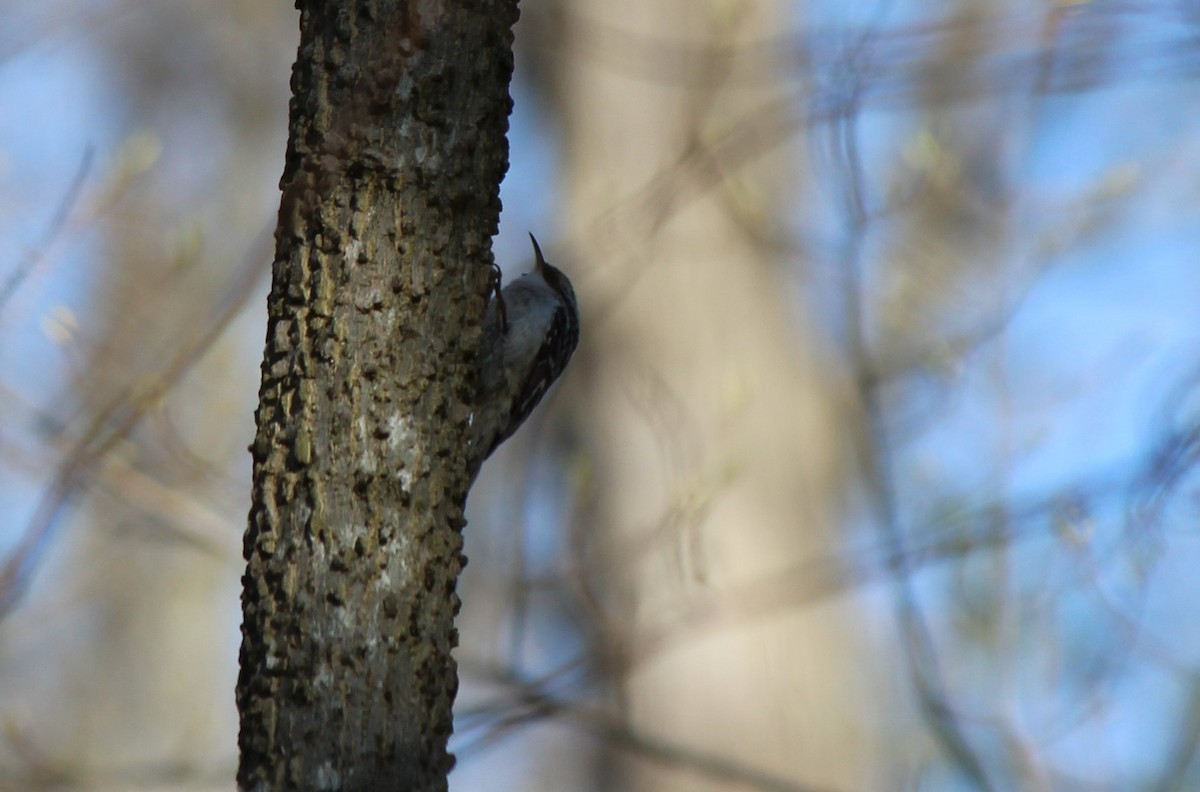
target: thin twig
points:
(37, 253)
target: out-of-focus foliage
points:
(141, 147)
(981, 245)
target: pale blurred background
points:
(874, 470)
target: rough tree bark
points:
(390, 198)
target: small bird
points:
(530, 331)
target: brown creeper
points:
(530, 330)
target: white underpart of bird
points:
(530, 332)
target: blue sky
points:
(1090, 359)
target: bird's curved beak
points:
(537, 252)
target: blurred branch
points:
(43, 772)
(875, 449)
(903, 61)
(115, 422)
(528, 703)
(37, 253)
(1180, 762)
(904, 68)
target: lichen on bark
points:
(389, 200)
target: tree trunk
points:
(390, 198)
(719, 436)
